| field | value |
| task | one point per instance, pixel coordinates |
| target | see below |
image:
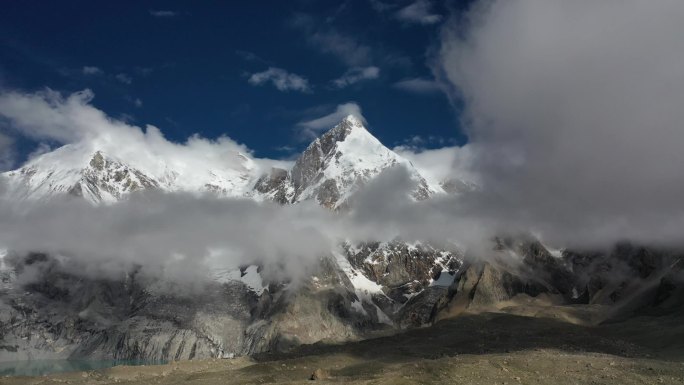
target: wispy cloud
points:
(123, 78)
(163, 13)
(419, 12)
(91, 70)
(281, 79)
(355, 75)
(329, 40)
(381, 6)
(251, 57)
(312, 127)
(417, 86)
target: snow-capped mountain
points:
(329, 171)
(356, 289)
(83, 170)
(335, 165)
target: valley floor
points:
(472, 349)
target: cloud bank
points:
(573, 109)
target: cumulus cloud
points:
(418, 86)
(574, 114)
(90, 70)
(355, 75)
(313, 127)
(419, 12)
(281, 79)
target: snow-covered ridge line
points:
(330, 171)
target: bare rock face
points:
(60, 315)
(624, 281)
(49, 313)
(415, 278)
(107, 176)
(396, 264)
(275, 186)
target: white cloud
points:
(312, 127)
(281, 79)
(41, 148)
(418, 86)
(419, 12)
(137, 102)
(355, 75)
(575, 114)
(123, 78)
(441, 164)
(48, 116)
(90, 70)
(163, 13)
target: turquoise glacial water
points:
(40, 367)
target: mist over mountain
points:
(547, 221)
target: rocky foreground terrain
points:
(486, 348)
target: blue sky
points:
(189, 67)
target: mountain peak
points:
(353, 120)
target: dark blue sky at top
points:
(190, 70)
